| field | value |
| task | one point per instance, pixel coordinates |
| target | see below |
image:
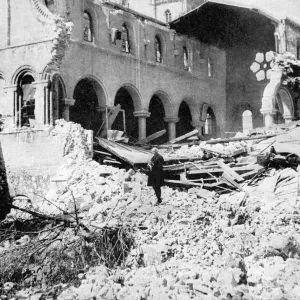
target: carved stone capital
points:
(142, 114)
(171, 119)
(69, 101)
(269, 111)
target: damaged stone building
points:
(77, 59)
(115, 56)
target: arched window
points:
(125, 39)
(87, 27)
(168, 16)
(158, 50)
(210, 123)
(247, 120)
(185, 58)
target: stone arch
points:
(24, 96)
(285, 103)
(188, 113)
(159, 36)
(128, 97)
(159, 108)
(210, 127)
(23, 71)
(134, 93)
(59, 95)
(90, 97)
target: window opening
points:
(158, 50)
(125, 39)
(168, 16)
(87, 27)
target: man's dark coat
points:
(155, 176)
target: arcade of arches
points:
(40, 102)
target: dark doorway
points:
(156, 121)
(124, 98)
(185, 118)
(86, 109)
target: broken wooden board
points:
(126, 153)
(228, 179)
(230, 171)
(183, 137)
(112, 114)
(238, 139)
(152, 137)
(182, 183)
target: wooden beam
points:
(185, 136)
(152, 137)
(231, 172)
(228, 140)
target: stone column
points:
(41, 101)
(269, 116)
(142, 116)
(288, 118)
(68, 102)
(8, 112)
(171, 126)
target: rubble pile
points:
(191, 248)
(197, 244)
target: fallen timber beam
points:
(152, 137)
(230, 171)
(228, 140)
(185, 136)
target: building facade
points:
(77, 59)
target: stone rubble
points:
(188, 247)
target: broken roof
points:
(228, 22)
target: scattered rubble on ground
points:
(243, 244)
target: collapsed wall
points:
(30, 157)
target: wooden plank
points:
(183, 182)
(228, 140)
(185, 136)
(152, 137)
(113, 115)
(102, 152)
(227, 178)
(231, 172)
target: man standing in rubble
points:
(155, 176)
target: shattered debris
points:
(228, 230)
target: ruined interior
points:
(141, 160)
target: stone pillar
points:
(68, 102)
(8, 112)
(142, 116)
(288, 118)
(171, 126)
(41, 100)
(269, 116)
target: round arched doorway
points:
(185, 119)
(156, 121)
(89, 97)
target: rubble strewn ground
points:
(241, 245)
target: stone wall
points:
(30, 158)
